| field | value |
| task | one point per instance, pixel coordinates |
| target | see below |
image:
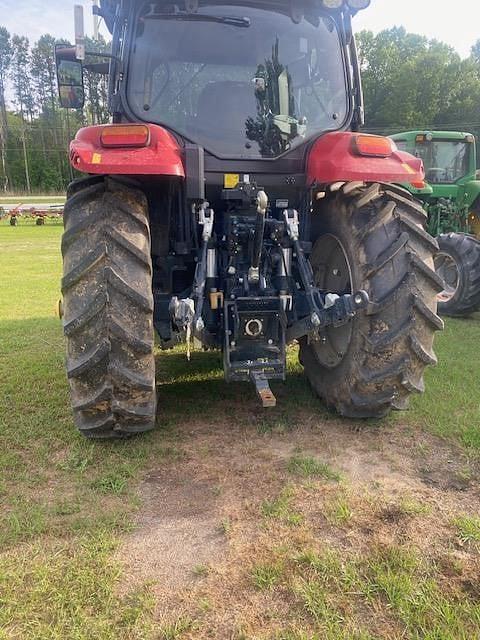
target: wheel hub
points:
(332, 273)
(447, 269)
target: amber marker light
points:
(121, 135)
(373, 146)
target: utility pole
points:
(96, 21)
(25, 157)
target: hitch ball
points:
(254, 328)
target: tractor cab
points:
(242, 80)
(246, 82)
(449, 157)
(453, 190)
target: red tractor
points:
(233, 201)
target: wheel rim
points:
(332, 274)
(447, 269)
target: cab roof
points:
(436, 135)
(108, 8)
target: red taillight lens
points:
(373, 146)
(121, 135)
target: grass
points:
(55, 590)
(200, 570)
(308, 467)
(334, 588)
(468, 528)
(266, 576)
(411, 507)
(280, 508)
(175, 630)
(337, 510)
(451, 406)
(68, 503)
(31, 199)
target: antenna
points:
(79, 32)
(96, 19)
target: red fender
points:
(161, 156)
(333, 158)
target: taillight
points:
(125, 135)
(373, 146)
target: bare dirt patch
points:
(206, 510)
(177, 529)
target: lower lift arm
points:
(339, 312)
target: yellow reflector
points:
(230, 180)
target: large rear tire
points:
(108, 308)
(458, 264)
(373, 238)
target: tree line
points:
(409, 82)
(34, 130)
(412, 82)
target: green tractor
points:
(451, 198)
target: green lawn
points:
(67, 503)
(31, 199)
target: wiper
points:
(233, 21)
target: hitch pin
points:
(263, 389)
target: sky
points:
(457, 23)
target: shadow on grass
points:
(196, 391)
(36, 398)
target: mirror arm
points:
(102, 68)
(97, 54)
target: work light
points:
(357, 5)
(332, 4)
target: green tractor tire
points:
(458, 264)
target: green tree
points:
(96, 84)
(411, 81)
(5, 59)
(21, 77)
(44, 73)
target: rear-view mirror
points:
(70, 78)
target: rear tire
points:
(108, 308)
(373, 238)
(458, 264)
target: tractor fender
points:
(472, 194)
(161, 156)
(333, 158)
